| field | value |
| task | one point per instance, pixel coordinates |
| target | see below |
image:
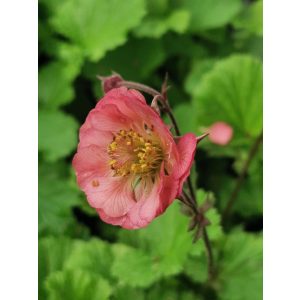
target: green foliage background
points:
(212, 51)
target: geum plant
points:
(130, 165)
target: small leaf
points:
(97, 26)
(133, 267)
(128, 293)
(166, 242)
(56, 199)
(214, 229)
(93, 256)
(196, 266)
(52, 255)
(55, 86)
(155, 27)
(57, 134)
(208, 14)
(142, 57)
(186, 124)
(240, 267)
(251, 19)
(194, 79)
(77, 285)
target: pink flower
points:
(127, 161)
(220, 133)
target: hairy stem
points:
(209, 253)
(141, 87)
(241, 178)
(172, 118)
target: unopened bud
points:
(220, 133)
(110, 82)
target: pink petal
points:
(113, 195)
(96, 137)
(111, 220)
(89, 159)
(147, 207)
(117, 97)
(108, 118)
(186, 148)
(152, 200)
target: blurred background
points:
(212, 52)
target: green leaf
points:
(156, 27)
(47, 42)
(186, 124)
(165, 241)
(232, 92)
(240, 267)
(133, 267)
(56, 199)
(183, 46)
(52, 255)
(128, 293)
(97, 26)
(157, 7)
(214, 230)
(251, 19)
(142, 57)
(208, 14)
(77, 285)
(55, 85)
(171, 289)
(51, 5)
(199, 69)
(57, 134)
(196, 266)
(94, 256)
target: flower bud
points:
(220, 133)
(110, 82)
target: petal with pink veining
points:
(113, 195)
(108, 118)
(92, 136)
(91, 158)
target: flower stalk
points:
(240, 179)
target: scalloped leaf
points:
(209, 14)
(166, 242)
(94, 256)
(57, 134)
(251, 19)
(155, 27)
(97, 26)
(77, 285)
(57, 197)
(240, 267)
(133, 267)
(52, 255)
(232, 92)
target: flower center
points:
(130, 153)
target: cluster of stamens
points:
(131, 153)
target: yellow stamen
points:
(132, 153)
(112, 162)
